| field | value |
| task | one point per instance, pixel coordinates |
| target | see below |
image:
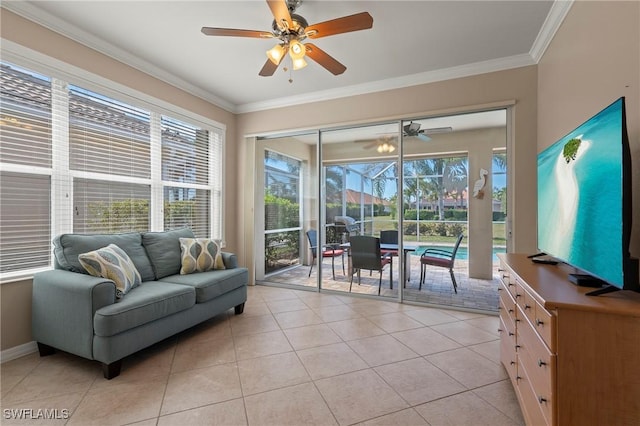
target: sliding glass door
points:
(415, 185)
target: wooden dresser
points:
(572, 359)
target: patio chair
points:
(443, 258)
(365, 254)
(389, 237)
(327, 251)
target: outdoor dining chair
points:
(444, 258)
(365, 254)
(327, 251)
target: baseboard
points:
(18, 351)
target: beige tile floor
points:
(294, 357)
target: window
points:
(25, 177)
(186, 173)
(76, 160)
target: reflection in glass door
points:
(360, 181)
(410, 184)
(285, 209)
(454, 183)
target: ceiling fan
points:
(413, 129)
(387, 143)
(291, 29)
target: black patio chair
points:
(365, 254)
(327, 251)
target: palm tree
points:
(442, 175)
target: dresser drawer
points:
(507, 308)
(540, 364)
(545, 325)
(508, 352)
(528, 305)
(539, 409)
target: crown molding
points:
(39, 16)
(466, 70)
(554, 19)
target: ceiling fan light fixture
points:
(299, 63)
(296, 50)
(385, 147)
(276, 53)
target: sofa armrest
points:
(63, 306)
(230, 260)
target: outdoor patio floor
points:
(473, 294)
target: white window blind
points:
(103, 207)
(25, 125)
(189, 179)
(109, 139)
(25, 227)
(108, 136)
(25, 161)
(75, 160)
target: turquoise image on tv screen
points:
(580, 197)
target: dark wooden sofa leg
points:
(111, 370)
(45, 350)
(239, 309)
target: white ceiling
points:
(411, 42)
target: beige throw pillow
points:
(200, 255)
(112, 263)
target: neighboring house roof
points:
(355, 197)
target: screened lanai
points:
(354, 190)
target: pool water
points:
(463, 253)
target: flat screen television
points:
(584, 201)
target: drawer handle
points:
(510, 334)
(527, 307)
(513, 363)
(518, 347)
(518, 378)
(500, 330)
(510, 311)
(505, 276)
(511, 284)
(500, 270)
(541, 363)
(542, 399)
(539, 322)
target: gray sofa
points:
(79, 313)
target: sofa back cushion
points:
(67, 247)
(163, 249)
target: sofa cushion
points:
(163, 249)
(200, 255)
(112, 262)
(148, 302)
(67, 248)
(209, 285)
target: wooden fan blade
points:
(232, 32)
(324, 59)
(280, 13)
(357, 22)
(269, 68)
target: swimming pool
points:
(463, 253)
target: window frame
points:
(62, 74)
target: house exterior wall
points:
(593, 60)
